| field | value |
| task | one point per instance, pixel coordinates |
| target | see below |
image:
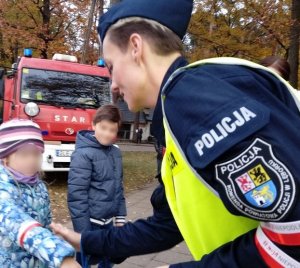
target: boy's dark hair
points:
(108, 112)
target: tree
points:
(48, 26)
(294, 42)
(249, 29)
(88, 30)
(91, 49)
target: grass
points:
(139, 169)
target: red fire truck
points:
(60, 95)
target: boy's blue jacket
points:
(195, 104)
(95, 183)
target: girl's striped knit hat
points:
(16, 133)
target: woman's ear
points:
(136, 47)
(93, 126)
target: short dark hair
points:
(163, 41)
(108, 112)
(279, 64)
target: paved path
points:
(139, 206)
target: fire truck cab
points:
(60, 95)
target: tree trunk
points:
(101, 11)
(46, 13)
(15, 52)
(2, 52)
(294, 43)
(86, 45)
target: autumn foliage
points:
(250, 29)
(47, 26)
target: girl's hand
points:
(72, 237)
(69, 262)
(119, 224)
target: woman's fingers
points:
(56, 227)
(72, 237)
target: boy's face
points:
(106, 132)
(128, 74)
(26, 160)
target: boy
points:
(95, 184)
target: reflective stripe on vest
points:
(283, 233)
(202, 218)
(273, 256)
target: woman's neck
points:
(158, 67)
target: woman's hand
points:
(72, 237)
(69, 262)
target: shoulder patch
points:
(227, 126)
(257, 183)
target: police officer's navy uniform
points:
(238, 129)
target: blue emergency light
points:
(101, 62)
(28, 52)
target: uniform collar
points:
(157, 128)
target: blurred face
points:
(26, 160)
(106, 132)
(128, 73)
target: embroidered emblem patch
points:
(257, 183)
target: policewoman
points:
(230, 175)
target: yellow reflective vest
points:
(201, 216)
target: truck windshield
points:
(64, 89)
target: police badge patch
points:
(257, 183)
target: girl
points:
(25, 240)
